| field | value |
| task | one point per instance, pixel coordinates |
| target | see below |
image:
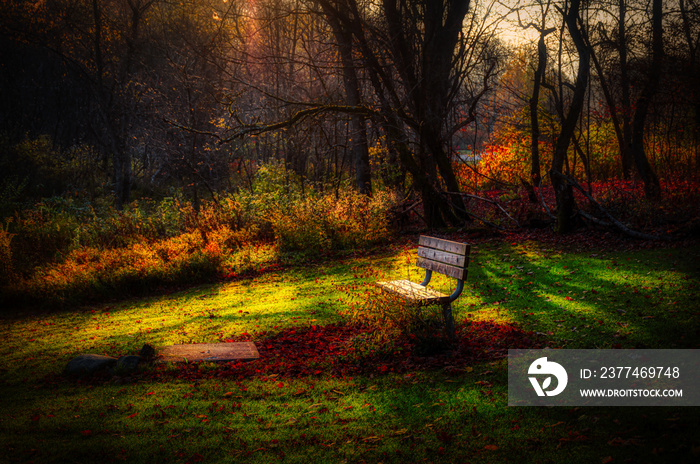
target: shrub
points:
(64, 249)
(5, 256)
(325, 222)
(393, 321)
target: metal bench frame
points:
(441, 256)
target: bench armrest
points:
(455, 294)
(458, 290)
(428, 275)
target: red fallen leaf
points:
(280, 385)
(303, 351)
(86, 433)
(36, 417)
(606, 460)
(491, 447)
(151, 393)
(132, 416)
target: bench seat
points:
(415, 293)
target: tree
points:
(360, 149)
(652, 188)
(98, 45)
(563, 190)
(417, 57)
(629, 116)
(534, 103)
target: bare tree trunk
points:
(693, 73)
(622, 141)
(652, 187)
(625, 150)
(535, 175)
(442, 23)
(566, 205)
(360, 149)
(535, 171)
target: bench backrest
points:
(443, 256)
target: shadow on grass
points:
(634, 300)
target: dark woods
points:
(124, 99)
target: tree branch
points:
(613, 220)
(487, 200)
(256, 129)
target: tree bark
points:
(360, 148)
(566, 204)
(409, 52)
(625, 151)
(652, 187)
(428, 81)
(535, 171)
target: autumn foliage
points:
(334, 350)
(66, 249)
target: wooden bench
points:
(441, 256)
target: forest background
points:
(153, 142)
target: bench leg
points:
(449, 321)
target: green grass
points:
(572, 300)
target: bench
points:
(435, 255)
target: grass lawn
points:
(346, 404)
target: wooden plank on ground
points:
(237, 351)
(444, 245)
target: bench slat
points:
(414, 292)
(450, 271)
(444, 245)
(443, 257)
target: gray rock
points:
(127, 364)
(87, 364)
(147, 351)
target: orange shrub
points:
(323, 222)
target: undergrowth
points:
(67, 250)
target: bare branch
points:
(544, 203)
(488, 200)
(256, 129)
(191, 130)
(613, 220)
